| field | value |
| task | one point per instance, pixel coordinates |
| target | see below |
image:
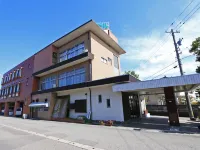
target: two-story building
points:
(73, 76)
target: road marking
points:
(86, 147)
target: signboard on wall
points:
(104, 25)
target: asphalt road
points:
(22, 134)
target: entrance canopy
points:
(180, 84)
(39, 104)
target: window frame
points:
(116, 61)
(100, 99)
(108, 103)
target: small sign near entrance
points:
(104, 25)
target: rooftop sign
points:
(104, 25)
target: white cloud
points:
(140, 49)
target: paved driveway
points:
(33, 134)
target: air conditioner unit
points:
(9, 96)
(54, 86)
(17, 94)
(13, 95)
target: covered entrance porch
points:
(165, 86)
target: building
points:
(74, 62)
(62, 72)
(16, 88)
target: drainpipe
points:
(90, 104)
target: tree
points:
(195, 49)
(132, 73)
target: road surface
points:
(19, 134)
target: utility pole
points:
(181, 72)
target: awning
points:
(180, 84)
(39, 104)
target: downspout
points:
(90, 104)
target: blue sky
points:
(28, 26)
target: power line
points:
(192, 12)
(165, 72)
(180, 15)
(162, 44)
(189, 17)
(168, 66)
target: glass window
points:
(20, 72)
(104, 60)
(10, 92)
(48, 83)
(13, 74)
(116, 64)
(72, 52)
(63, 56)
(17, 87)
(16, 74)
(62, 79)
(14, 88)
(108, 103)
(100, 99)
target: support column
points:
(171, 106)
(6, 109)
(17, 105)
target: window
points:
(20, 73)
(72, 52)
(79, 75)
(10, 77)
(62, 79)
(110, 61)
(63, 56)
(100, 99)
(10, 90)
(72, 77)
(14, 89)
(116, 63)
(48, 83)
(16, 74)
(104, 60)
(13, 75)
(108, 103)
(80, 106)
(17, 87)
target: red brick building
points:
(16, 88)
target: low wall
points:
(161, 110)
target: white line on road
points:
(86, 147)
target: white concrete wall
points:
(100, 110)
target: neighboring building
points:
(16, 88)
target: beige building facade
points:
(80, 57)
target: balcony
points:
(64, 64)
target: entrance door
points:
(131, 107)
(134, 106)
(35, 112)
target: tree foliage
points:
(195, 49)
(132, 73)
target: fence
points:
(162, 110)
